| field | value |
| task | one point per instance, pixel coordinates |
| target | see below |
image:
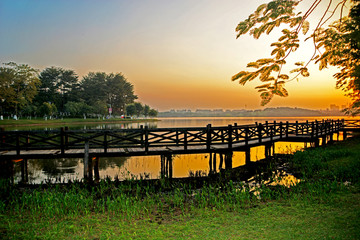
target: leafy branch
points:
(270, 70)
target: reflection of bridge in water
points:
(221, 141)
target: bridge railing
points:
(351, 123)
(146, 138)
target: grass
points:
(67, 121)
(324, 205)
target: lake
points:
(63, 170)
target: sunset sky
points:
(177, 53)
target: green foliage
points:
(130, 110)
(18, 86)
(58, 91)
(339, 163)
(153, 113)
(138, 109)
(58, 86)
(146, 110)
(47, 108)
(339, 43)
(112, 89)
(77, 109)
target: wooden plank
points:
(176, 148)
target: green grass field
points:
(66, 122)
(324, 205)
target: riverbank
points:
(325, 204)
(68, 121)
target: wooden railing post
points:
(177, 137)
(287, 129)
(17, 143)
(236, 132)
(105, 142)
(62, 141)
(307, 127)
(146, 133)
(266, 128)
(296, 128)
(259, 128)
(142, 136)
(312, 130)
(316, 128)
(208, 136)
(185, 140)
(230, 140)
(66, 137)
(273, 131)
(246, 135)
(281, 130)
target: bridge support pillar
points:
(247, 156)
(87, 164)
(324, 138)
(24, 171)
(213, 162)
(210, 163)
(268, 148)
(344, 135)
(316, 142)
(228, 160)
(221, 161)
(331, 138)
(7, 170)
(96, 169)
(166, 166)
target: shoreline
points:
(66, 122)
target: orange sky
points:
(178, 54)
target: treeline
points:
(58, 92)
(267, 112)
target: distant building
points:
(239, 110)
(183, 111)
(203, 111)
(218, 111)
(334, 107)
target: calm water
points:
(40, 170)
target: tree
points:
(48, 109)
(139, 108)
(335, 45)
(146, 110)
(130, 110)
(153, 113)
(76, 109)
(58, 86)
(18, 86)
(111, 89)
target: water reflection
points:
(122, 168)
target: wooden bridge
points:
(88, 144)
